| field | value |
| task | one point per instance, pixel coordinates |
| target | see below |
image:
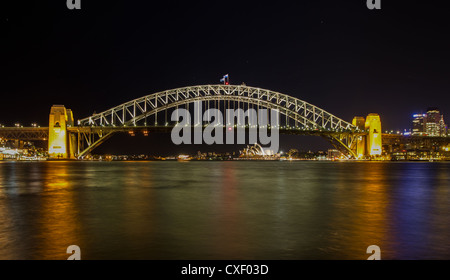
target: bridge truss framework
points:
(301, 117)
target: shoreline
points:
(234, 159)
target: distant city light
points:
(419, 115)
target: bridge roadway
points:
(89, 133)
(168, 128)
(41, 133)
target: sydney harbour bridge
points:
(362, 138)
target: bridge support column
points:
(61, 145)
(369, 145)
(360, 143)
(374, 138)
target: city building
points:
(419, 124)
(430, 124)
(443, 126)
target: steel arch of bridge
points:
(304, 114)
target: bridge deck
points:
(167, 129)
(41, 133)
(24, 133)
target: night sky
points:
(337, 55)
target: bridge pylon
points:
(370, 144)
(360, 143)
(61, 144)
(374, 138)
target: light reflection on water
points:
(224, 210)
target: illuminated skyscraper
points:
(419, 124)
(443, 126)
(430, 124)
(433, 120)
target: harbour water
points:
(225, 210)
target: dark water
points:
(224, 210)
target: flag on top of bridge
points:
(225, 79)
